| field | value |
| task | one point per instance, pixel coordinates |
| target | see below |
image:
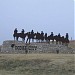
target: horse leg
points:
(53, 41)
(49, 41)
(14, 36)
(17, 38)
(29, 41)
(23, 39)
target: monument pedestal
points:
(11, 46)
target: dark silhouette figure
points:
(67, 39)
(22, 31)
(62, 40)
(28, 37)
(51, 37)
(38, 36)
(17, 35)
(23, 35)
(56, 39)
(42, 36)
(32, 35)
(59, 38)
(46, 38)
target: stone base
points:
(11, 46)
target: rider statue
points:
(22, 31)
(67, 36)
(15, 31)
(59, 35)
(42, 32)
(32, 32)
(52, 34)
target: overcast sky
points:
(39, 15)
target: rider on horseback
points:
(59, 38)
(15, 31)
(67, 36)
(42, 36)
(32, 32)
(15, 34)
(32, 35)
(22, 31)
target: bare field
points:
(37, 64)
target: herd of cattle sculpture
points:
(41, 37)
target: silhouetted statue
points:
(32, 35)
(67, 39)
(15, 31)
(42, 36)
(67, 36)
(56, 39)
(59, 38)
(46, 37)
(51, 37)
(62, 40)
(21, 35)
(38, 36)
(22, 31)
(15, 34)
(28, 37)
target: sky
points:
(40, 15)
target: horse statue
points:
(56, 39)
(51, 37)
(21, 35)
(40, 37)
(30, 35)
(15, 34)
(37, 36)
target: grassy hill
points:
(37, 64)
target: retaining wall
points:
(21, 47)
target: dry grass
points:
(72, 44)
(36, 56)
(37, 64)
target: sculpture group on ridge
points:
(41, 37)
